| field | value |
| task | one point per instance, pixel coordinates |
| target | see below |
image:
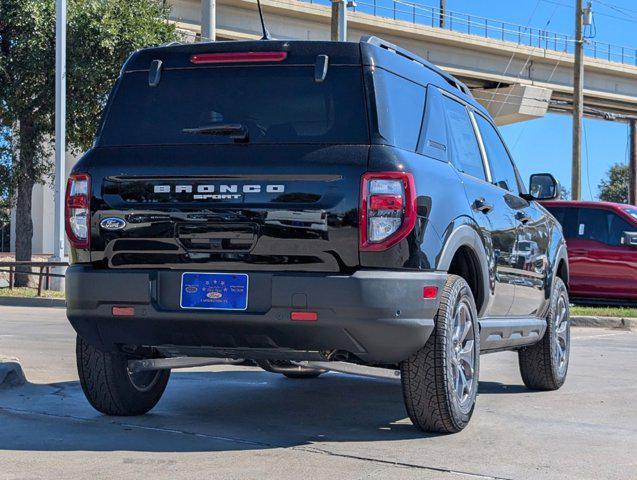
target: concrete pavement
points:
(243, 423)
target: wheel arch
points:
(464, 254)
(560, 266)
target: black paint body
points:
(311, 228)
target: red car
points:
(602, 250)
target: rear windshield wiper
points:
(236, 131)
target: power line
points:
(629, 20)
(618, 9)
(528, 57)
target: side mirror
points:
(543, 186)
(629, 238)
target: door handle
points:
(522, 218)
(480, 205)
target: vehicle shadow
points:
(498, 388)
(215, 411)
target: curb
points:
(32, 302)
(11, 374)
(604, 322)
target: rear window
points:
(276, 105)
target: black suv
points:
(308, 206)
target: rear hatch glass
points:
(276, 104)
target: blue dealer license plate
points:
(215, 291)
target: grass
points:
(600, 311)
(29, 292)
(603, 311)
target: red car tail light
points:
(234, 57)
(78, 210)
(387, 210)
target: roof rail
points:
(379, 42)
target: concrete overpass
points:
(515, 81)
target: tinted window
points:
(567, 217)
(617, 226)
(602, 225)
(400, 104)
(502, 170)
(463, 145)
(276, 104)
(632, 212)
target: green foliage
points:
(101, 34)
(614, 188)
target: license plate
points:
(214, 291)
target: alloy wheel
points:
(562, 335)
(462, 353)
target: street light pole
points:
(60, 127)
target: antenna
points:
(266, 34)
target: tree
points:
(614, 188)
(100, 34)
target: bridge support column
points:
(339, 21)
(515, 103)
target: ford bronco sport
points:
(305, 206)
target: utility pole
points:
(339, 21)
(578, 102)
(443, 12)
(60, 128)
(208, 20)
(632, 169)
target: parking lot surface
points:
(244, 423)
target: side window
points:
(400, 104)
(602, 225)
(593, 225)
(616, 228)
(502, 169)
(462, 141)
(567, 217)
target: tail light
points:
(387, 209)
(78, 210)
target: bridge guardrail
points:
(490, 28)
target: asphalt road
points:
(244, 423)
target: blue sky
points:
(544, 145)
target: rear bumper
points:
(380, 316)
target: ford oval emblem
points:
(112, 223)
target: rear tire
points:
(544, 365)
(110, 388)
(440, 381)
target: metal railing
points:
(44, 274)
(489, 28)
